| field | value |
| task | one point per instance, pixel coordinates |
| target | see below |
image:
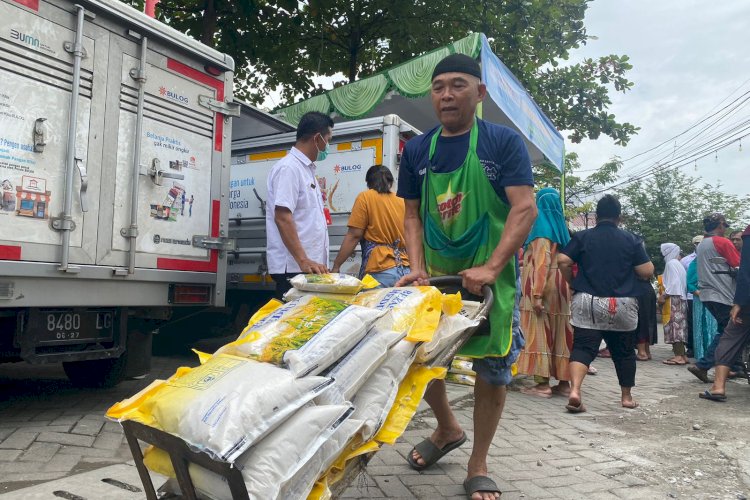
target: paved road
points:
(53, 437)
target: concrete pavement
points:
(54, 438)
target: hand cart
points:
(182, 455)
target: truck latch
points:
(157, 174)
(221, 243)
(225, 108)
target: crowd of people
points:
(465, 204)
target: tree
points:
(670, 206)
(284, 44)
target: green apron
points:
(463, 221)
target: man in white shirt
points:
(296, 230)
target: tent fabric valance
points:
(404, 89)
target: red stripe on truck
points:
(212, 82)
(209, 266)
(9, 252)
(31, 4)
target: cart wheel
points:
(98, 373)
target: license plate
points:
(71, 327)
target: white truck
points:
(355, 147)
(113, 204)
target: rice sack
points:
(222, 406)
(332, 283)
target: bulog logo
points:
(165, 92)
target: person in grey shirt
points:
(717, 290)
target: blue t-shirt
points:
(501, 151)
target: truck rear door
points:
(179, 186)
(36, 71)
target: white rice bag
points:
(356, 367)
(412, 309)
(448, 331)
(330, 283)
(334, 340)
(294, 294)
(271, 463)
(374, 399)
(222, 406)
(303, 481)
(293, 325)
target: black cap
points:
(458, 63)
(712, 221)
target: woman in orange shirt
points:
(377, 222)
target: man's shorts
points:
(497, 371)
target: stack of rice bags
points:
(307, 386)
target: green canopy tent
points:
(404, 90)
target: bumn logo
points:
(165, 92)
(24, 38)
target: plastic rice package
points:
(376, 396)
(292, 325)
(461, 366)
(356, 367)
(412, 309)
(332, 342)
(294, 294)
(332, 283)
(303, 481)
(270, 464)
(448, 331)
(410, 393)
(461, 379)
(222, 406)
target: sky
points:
(690, 58)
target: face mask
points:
(324, 153)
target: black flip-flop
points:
(431, 453)
(721, 398)
(701, 374)
(480, 483)
(575, 409)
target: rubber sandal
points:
(641, 358)
(702, 375)
(480, 483)
(635, 405)
(721, 398)
(575, 409)
(431, 453)
(670, 362)
(592, 370)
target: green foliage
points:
(283, 44)
(579, 191)
(669, 208)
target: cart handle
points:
(457, 281)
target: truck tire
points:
(96, 373)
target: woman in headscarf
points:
(705, 326)
(545, 301)
(675, 289)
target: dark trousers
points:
(621, 346)
(721, 313)
(735, 336)
(282, 283)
